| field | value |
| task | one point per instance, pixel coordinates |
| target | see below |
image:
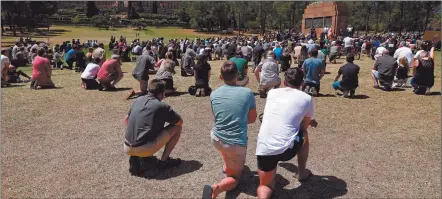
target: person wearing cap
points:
(384, 71)
(404, 51)
(100, 53)
(110, 73)
(241, 64)
(349, 73)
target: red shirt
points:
(41, 68)
(108, 67)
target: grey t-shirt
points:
(144, 63)
(147, 117)
(333, 50)
(269, 71)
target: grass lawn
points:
(58, 34)
(68, 142)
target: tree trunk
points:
(427, 15)
(367, 20)
(3, 29)
(262, 18)
(401, 15)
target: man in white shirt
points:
(348, 43)
(283, 135)
(403, 51)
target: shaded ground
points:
(68, 142)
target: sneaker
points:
(198, 92)
(169, 163)
(307, 90)
(135, 166)
(203, 92)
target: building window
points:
(328, 21)
(318, 22)
(308, 23)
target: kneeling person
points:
(110, 73)
(89, 74)
(146, 134)
(349, 81)
(283, 133)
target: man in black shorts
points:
(283, 133)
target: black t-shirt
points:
(386, 66)
(349, 74)
(147, 117)
(202, 74)
(402, 73)
(231, 49)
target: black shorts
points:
(269, 163)
(91, 84)
(169, 83)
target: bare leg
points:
(302, 158)
(375, 81)
(172, 142)
(266, 184)
(228, 183)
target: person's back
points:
(241, 64)
(278, 52)
(269, 70)
(245, 51)
(297, 50)
(349, 73)
(70, 54)
(313, 67)
(41, 68)
(424, 75)
(91, 71)
(284, 111)
(144, 63)
(109, 67)
(230, 106)
(386, 66)
(348, 42)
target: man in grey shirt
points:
(145, 63)
(333, 52)
(267, 74)
(146, 134)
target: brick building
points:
(330, 14)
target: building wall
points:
(336, 11)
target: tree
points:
(76, 20)
(91, 9)
(101, 21)
(131, 12)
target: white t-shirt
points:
(348, 42)
(404, 52)
(418, 53)
(91, 71)
(283, 113)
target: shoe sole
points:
(207, 192)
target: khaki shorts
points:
(152, 147)
(234, 156)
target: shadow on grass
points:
(435, 93)
(176, 94)
(119, 89)
(325, 95)
(327, 73)
(315, 187)
(186, 166)
(15, 85)
(360, 97)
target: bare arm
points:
(126, 120)
(251, 118)
(432, 53)
(208, 76)
(257, 71)
(305, 123)
(337, 77)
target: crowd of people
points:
(284, 131)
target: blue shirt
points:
(376, 43)
(230, 107)
(70, 54)
(313, 67)
(278, 52)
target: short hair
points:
(169, 55)
(157, 87)
(350, 57)
(229, 71)
(294, 77)
(239, 53)
(314, 52)
(96, 60)
(41, 52)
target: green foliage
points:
(91, 9)
(76, 20)
(101, 21)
